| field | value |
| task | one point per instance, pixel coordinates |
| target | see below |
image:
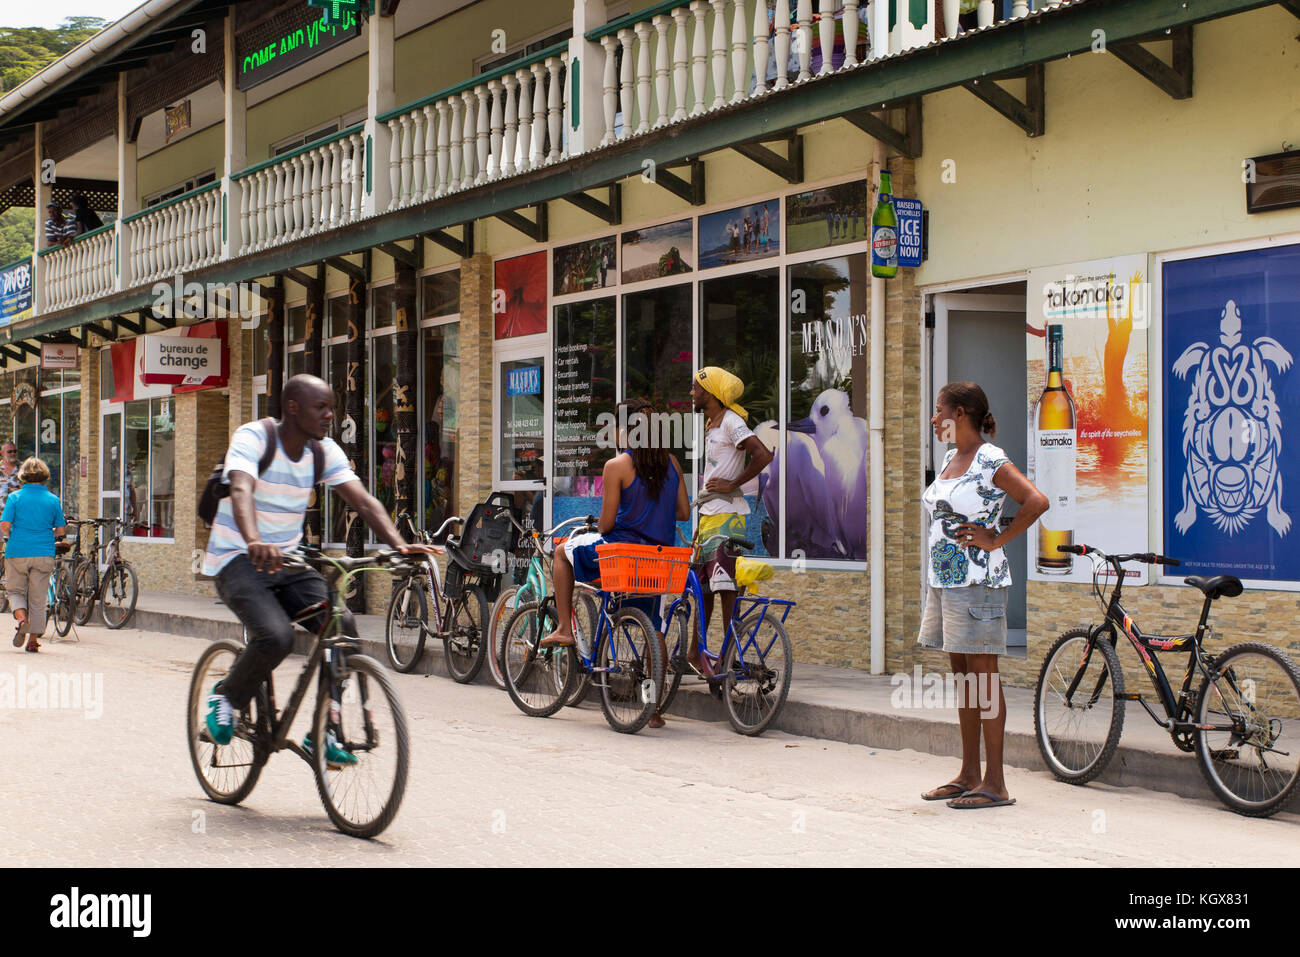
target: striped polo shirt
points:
(280, 498)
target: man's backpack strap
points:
(272, 440)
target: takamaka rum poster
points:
(1086, 342)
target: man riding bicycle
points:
(259, 522)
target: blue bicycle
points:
(755, 663)
(623, 658)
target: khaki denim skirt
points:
(965, 620)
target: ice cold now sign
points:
(264, 53)
(178, 360)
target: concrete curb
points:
(925, 731)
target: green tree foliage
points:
(25, 50)
(15, 235)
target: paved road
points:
(490, 786)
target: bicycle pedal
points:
(1225, 754)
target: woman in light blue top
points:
(968, 577)
(31, 519)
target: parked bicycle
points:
(59, 598)
(623, 657)
(536, 586)
(1247, 703)
(356, 702)
(459, 605)
(113, 583)
(755, 663)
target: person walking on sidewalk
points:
(732, 456)
(966, 598)
(260, 521)
(31, 520)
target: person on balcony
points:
(84, 219)
(58, 231)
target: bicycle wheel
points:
(537, 679)
(61, 606)
(629, 667)
(1254, 767)
(228, 772)
(502, 609)
(677, 638)
(587, 619)
(1077, 738)
(757, 667)
(118, 594)
(83, 591)
(408, 610)
(466, 644)
(367, 721)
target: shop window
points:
(740, 331)
(147, 461)
(336, 372)
(522, 401)
(585, 369)
(826, 433)
(441, 294)
(441, 389)
(657, 360)
(295, 354)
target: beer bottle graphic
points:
(1053, 454)
(884, 232)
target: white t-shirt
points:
(725, 459)
(969, 497)
(280, 497)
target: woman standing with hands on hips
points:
(966, 601)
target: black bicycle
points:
(1243, 721)
(114, 586)
(357, 710)
(459, 607)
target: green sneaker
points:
(221, 718)
(335, 757)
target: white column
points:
(851, 21)
(525, 141)
(404, 179)
(1020, 9)
(496, 133)
(826, 39)
(235, 154)
(467, 140)
(739, 52)
(680, 63)
(782, 30)
(761, 47)
(587, 120)
(430, 153)
(661, 25)
(804, 26)
(510, 140)
(878, 18)
(483, 133)
(951, 11)
(456, 139)
(984, 17)
(444, 141)
(718, 52)
(609, 90)
(642, 30)
(380, 99)
(626, 100)
(554, 108)
(394, 163)
(537, 153)
(127, 201)
(699, 56)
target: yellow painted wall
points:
(443, 53)
(182, 160)
(319, 100)
(1122, 167)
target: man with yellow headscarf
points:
(733, 455)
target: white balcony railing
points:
(180, 234)
(315, 187)
(80, 271)
(498, 124)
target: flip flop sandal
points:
(20, 634)
(945, 797)
(994, 801)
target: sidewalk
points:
(835, 703)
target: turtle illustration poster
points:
(1102, 308)
(1230, 338)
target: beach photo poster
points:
(584, 266)
(657, 252)
(1103, 308)
(828, 216)
(743, 234)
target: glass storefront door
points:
(521, 413)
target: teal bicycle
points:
(535, 587)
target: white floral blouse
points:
(970, 497)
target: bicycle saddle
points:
(1220, 586)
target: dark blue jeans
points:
(266, 603)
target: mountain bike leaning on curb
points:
(60, 596)
(421, 591)
(117, 589)
(537, 585)
(356, 706)
(1243, 721)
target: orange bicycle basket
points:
(643, 569)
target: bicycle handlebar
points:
(308, 557)
(1149, 558)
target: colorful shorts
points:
(719, 572)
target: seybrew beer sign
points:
(178, 360)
